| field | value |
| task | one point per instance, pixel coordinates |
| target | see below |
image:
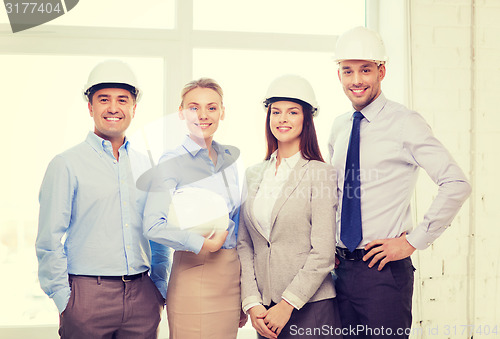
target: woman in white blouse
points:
(286, 241)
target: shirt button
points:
(126, 225)
(114, 161)
(128, 247)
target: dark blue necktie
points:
(350, 229)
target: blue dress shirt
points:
(89, 202)
(189, 165)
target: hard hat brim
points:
(272, 100)
(91, 90)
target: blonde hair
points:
(201, 83)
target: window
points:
(323, 17)
(120, 13)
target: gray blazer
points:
(295, 262)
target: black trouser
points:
(372, 303)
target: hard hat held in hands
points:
(361, 43)
(112, 72)
(291, 86)
(198, 210)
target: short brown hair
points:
(201, 83)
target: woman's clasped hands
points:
(269, 323)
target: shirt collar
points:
(193, 148)
(371, 111)
(99, 144)
(290, 161)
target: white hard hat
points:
(198, 210)
(112, 74)
(294, 88)
(360, 43)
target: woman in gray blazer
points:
(286, 240)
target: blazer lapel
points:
(289, 187)
(254, 183)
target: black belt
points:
(345, 254)
(124, 278)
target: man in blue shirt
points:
(93, 258)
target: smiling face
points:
(112, 110)
(286, 121)
(361, 81)
(202, 110)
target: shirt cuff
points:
(61, 298)
(161, 285)
(194, 242)
(249, 306)
(420, 239)
(250, 302)
(293, 300)
(291, 303)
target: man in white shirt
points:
(377, 149)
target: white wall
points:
(455, 69)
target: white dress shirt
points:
(270, 188)
(394, 143)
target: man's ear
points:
(91, 111)
(381, 71)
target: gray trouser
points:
(102, 308)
